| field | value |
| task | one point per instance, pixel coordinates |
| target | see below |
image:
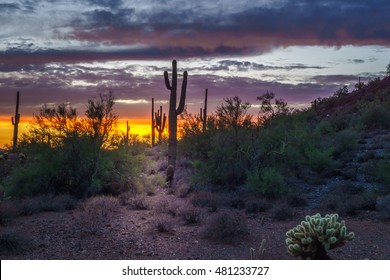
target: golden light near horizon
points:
(140, 127)
(7, 129)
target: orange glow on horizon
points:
(137, 126)
(7, 129)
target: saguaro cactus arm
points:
(180, 109)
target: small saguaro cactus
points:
(173, 111)
(160, 121)
(313, 236)
(127, 133)
(259, 255)
(15, 122)
(203, 113)
(153, 124)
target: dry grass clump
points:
(8, 210)
(191, 215)
(225, 227)
(163, 224)
(91, 216)
(138, 202)
(258, 205)
(282, 211)
(12, 241)
(167, 206)
(206, 199)
(183, 190)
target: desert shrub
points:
(375, 116)
(324, 128)
(257, 205)
(41, 203)
(236, 203)
(123, 198)
(267, 181)
(345, 140)
(31, 205)
(8, 210)
(103, 206)
(138, 202)
(383, 207)
(224, 166)
(383, 174)
(340, 122)
(224, 227)
(158, 180)
(320, 160)
(191, 215)
(296, 200)
(206, 199)
(183, 190)
(12, 241)
(282, 212)
(171, 207)
(148, 185)
(348, 198)
(34, 179)
(163, 224)
(92, 214)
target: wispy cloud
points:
(132, 101)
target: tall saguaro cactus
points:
(15, 122)
(153, 124)
(173, 111)
(160, 121)
(203, 113)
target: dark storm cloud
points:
(258, 28)
(16, 58)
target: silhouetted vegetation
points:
(73, 155)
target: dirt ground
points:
(133, 234)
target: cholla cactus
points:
(315, 235)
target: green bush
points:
(320, 160)
(345, 140)
(267, 181)
(324, 128)
(383, 207)
(383, 174)
(375, 116)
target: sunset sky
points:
(56, 51)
